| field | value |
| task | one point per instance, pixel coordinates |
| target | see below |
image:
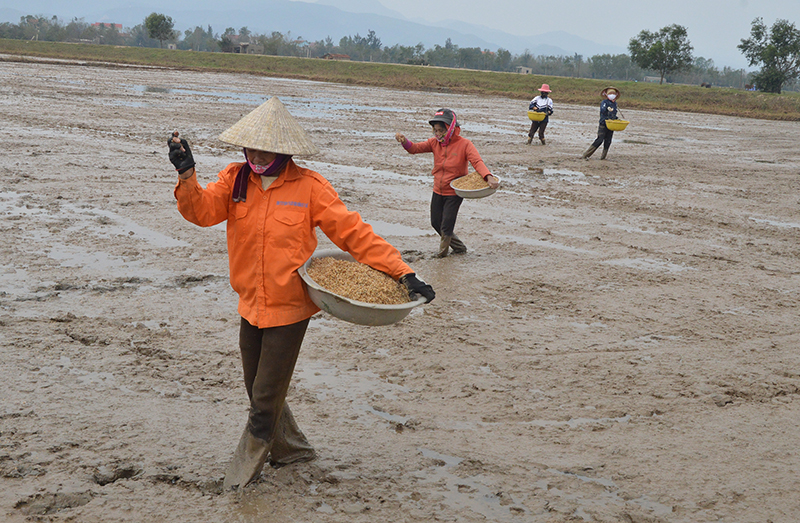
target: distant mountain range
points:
(314, 22)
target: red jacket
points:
(273, 233)
(449, 161)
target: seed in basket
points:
(357, 281)
(471, 182)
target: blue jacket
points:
(608, 110)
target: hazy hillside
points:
(317, 21)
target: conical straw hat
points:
(270, 128)
(604, 92)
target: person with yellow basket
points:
(541, 104)
(608, 111)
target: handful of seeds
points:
(356, 281)
(471, 182)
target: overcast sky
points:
(715, 27)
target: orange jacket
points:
(273, 233)
(449, 161)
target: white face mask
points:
(611, 97)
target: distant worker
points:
(608, 111)
(452, 155)
(541, 104)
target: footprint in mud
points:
(49, 503)
(106, 474)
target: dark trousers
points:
(604, 136)
(540, 126)
(444, 211)
(268, 359)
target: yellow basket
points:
(617, 125)
(536, 116)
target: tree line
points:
(665, 54)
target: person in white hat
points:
(541, 104)
(272, 207)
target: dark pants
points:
(604, 136)
(268, 359)
(540, 126)
(444, 211)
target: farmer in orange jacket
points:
(272, 207)
(452, 155)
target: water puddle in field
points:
(571, 423)
(566, 175)
(775, 223)
(79, 251)
(327, 380)
(359, 388)
(395, 229)
(546, 244)
(221, 95)
(318, 106)
(476, 493)
(125, 103)
(703, 127)
(544, 174)
(330, 169)
(73, 256)
(482, 128)
(647, 264)
(299, 107)
(82, 219)
(352, 132)
(608, 496)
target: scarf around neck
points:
(450, 130)
(240, 185)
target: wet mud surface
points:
(619, 343)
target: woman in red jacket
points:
(452, 155)
(272, 207)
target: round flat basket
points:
(473, 193)
(346, 309)
(617, 125)
(536, 116)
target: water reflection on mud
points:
(396, 229)
(477, 493)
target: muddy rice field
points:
(620, 343)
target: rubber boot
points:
(457, 245)
(444, 246)
(604, 154)
(530, 139)
(290, 444)
(247, 462)
(590, 151)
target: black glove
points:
(417, 286)
(180, 154)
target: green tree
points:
(107, 34)
(446, 56)
(575, 62)
(138, 36)
(160, 27)
(273, 44)
(503, 60)
(666, 51)
(198, 39)
(777, 50)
